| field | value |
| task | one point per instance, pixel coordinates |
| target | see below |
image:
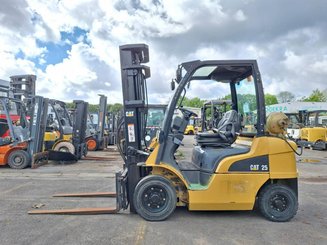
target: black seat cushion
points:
(208, 158)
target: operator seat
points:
(224, 134)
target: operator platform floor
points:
(21, 190)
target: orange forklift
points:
(21, 138)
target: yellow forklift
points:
(191, 127)
(59, 131)
(65, 134)
(229, 170)
(314, 133)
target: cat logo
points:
(254, 167)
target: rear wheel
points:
(154, 198)
(278, 203)
(65, 146)
(19, 159)
(92, 144)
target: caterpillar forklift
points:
(229, 169)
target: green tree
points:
(115, 108)
(246, 102)
(285, 96)
(93, 108)
(316, 96)
(194, 102)
(270, 99)
(69, 105)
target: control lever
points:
(132, 151)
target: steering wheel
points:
(187, 113)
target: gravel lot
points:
(21, 190)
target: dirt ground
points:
(22, 190)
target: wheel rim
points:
(63, 149)
(154, 198)
(91, 144)
(279, 202)
(18, 160)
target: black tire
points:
(278, 203)
(65, 146)
(19, 159)
(154, 198)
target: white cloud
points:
(240, 16)
(290, 51)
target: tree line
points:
(94, 108)
(270, 99)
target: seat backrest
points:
(229, 124)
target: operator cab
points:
(13, 121)
(58, 117)
(232, 135)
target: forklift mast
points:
(101, 120)
(80, 115)
(38, 122)
(4, 88)
(112, 127)
(134, 75)
(23, 88)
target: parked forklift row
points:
(34, 129)
(308, 128)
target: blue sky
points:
(56, 51)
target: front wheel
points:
(19, 159)
(65, 146)
(154, 198)
(278, 203)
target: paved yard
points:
(21, 190)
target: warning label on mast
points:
(131, 133)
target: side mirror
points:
(172, 85)
(179, 74)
